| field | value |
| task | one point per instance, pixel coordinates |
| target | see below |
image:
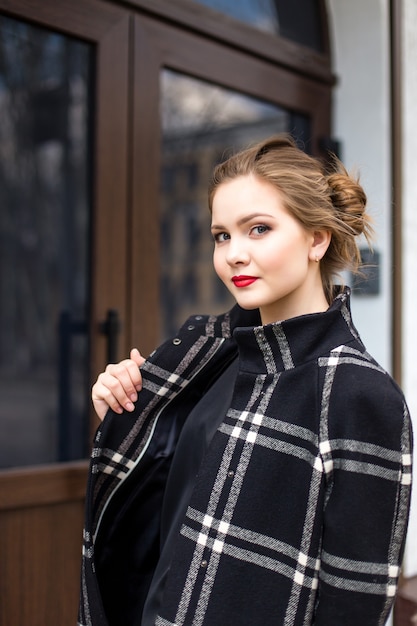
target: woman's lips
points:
(243, 281)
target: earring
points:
(317, 259)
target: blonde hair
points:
(319, 199)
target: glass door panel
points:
(201, 124)
(45, 198)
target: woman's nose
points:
(237, 254)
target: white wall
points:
(360, 51)
(360, 40)
(409, 138)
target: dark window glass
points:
(301, 21)
(44, 244)
(298, 20)
(201, 124)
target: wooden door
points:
(129, 52)
(42, 486)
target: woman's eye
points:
(260, 229)
(220, 237)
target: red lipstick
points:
(243, 281)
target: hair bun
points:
(349, 199)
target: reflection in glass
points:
(261, 14)
(202, 124)
(44, 233)
(298, 20)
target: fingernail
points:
(133, 397)
(129, 406)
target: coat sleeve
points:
(366, 448)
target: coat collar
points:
(284, 345)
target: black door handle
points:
(69, 444)
(111, 328)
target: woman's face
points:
(262, 254)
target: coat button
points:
(198, 317)
(176, 341)
(190, 327)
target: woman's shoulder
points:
(361, 374)
(364, 401)
(213, 325)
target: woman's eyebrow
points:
(243, 220)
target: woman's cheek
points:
(216, 263)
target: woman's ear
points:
(321, 241)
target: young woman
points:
(256, 470)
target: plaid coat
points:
(299, 511)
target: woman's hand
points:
(116, 388)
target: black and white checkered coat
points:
(300, 508)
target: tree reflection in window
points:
(45, 122)
(201, 124)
